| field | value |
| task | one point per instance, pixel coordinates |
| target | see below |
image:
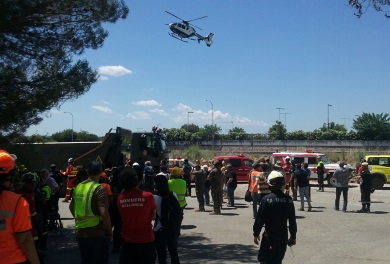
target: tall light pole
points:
(285, 119)
(188, 119)
(328, 114)
(232, 124)
(72, 122)
(279, 108)
(212, 124)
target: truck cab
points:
(149, 146)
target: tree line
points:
(368, 126)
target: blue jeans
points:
(207, 195)
(230, 193)
(94, 250)
(340, 190)
(255, 197)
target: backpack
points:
(171, 214)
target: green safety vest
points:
(47, 192)
(83, 205)
(179, 187)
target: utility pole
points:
(279, 108)
(285, 119)
(328, 114)
(188, 119)
(212, 124)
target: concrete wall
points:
(269, 146)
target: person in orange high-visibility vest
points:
(17, 244)
(71, 184)
(253, 187)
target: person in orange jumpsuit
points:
(71, 184)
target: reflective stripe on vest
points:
(10, 251)
(179, 186)
(84, 215)
(73, 172)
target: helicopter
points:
(185, 30)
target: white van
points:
(311, 159)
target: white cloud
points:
(220, 118)
(159, 112)
(138, 115)
(147, 103)
(114, 70)
(103, 109)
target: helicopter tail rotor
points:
(208, 40)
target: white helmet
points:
(70, 160)
(288, 157)
(275, 179)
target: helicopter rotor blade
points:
(196, 27)
(174, 15)
(196, 18)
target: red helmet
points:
(103, 175)
(7, 163)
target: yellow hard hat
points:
(176, 171)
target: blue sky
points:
(300, 55)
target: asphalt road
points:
(324, 235)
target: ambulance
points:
(310, 158)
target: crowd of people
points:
(142, 209)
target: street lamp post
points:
(232, 124)
(328, 114)
(188, 119)
(279, 108)
(72, 122)
(212, 124)
(285, 119)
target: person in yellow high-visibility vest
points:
(179, 187)
(89, 206)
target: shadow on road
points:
(197, 249)
(62, 248)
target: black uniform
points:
(365, 189)
(320, 173)
(275, 209)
